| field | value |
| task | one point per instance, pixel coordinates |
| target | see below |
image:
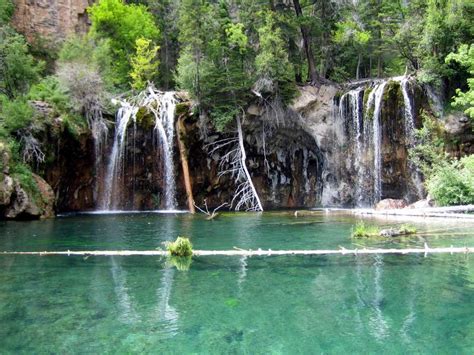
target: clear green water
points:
(281, 305)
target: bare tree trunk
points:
(313, 76)
(243, 156)
(358, 67)
(184, 163)
(379, 42)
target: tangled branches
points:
(233, 163)
(31, 150)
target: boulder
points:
(22, 205)
(46, 197)
(30, 205)
(390, 204)
(6, 190)
(422, 204)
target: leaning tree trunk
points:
(313, 76)
(184, 163)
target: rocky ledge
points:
(24, 198)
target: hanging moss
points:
(182, 108)
(392, 89)
(365, 99)
(144, 119)
(392, 100)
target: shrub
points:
(15, 114)
(49, 90)
(18, 68)
(453, 183)
(180, 247)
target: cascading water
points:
(165, 128)
(364, 138)
(375, 100)
(162, 106)
(415, 175)
(112, 180)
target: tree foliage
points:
(144, 63)
(122, 25)
(465, 57)
(18, 68)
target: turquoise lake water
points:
(233, 305)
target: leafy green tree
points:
(465, 57)
(18, 69)
(122, 25)
(15, 114)
(350, 32)
(144, 63)
(453, 183)
(6, 11)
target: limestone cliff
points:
(52, 19)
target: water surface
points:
(259, 305)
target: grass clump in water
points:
(361, 230)
(406, 229)
(180, 247)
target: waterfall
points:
(165, 128)
(356, 105)
(162, 106)
(100, 133)
(409, 117)
(410, 142)
(113, 176)
(363, 129)
(375, 99)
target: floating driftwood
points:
(444, 212)
(259, 252)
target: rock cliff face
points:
(317, 154)
(52, 19)
(363, 133)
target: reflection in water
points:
(359, 289)
(167, 315)
(242, 274)
(127, 313)
(378, 325)
(411, 316)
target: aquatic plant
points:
(406, 229)
(361, 230)
(180, 247)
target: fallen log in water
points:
(242, 252)
(443, 212)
